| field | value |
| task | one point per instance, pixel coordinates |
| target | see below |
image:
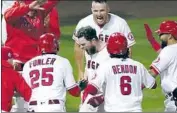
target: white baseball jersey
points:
(123, 80)
(49, 76)
(94, 61)
(115, 24)
(166, 66)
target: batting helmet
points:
(117, 44)
(48, 43)
(6, 53)
(168, 27)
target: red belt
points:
(54, 101)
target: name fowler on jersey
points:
(38, 62)
(124, 69)
(92, 64)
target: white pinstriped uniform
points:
(115, 24)
(123, 80)
(49, 76)
(166, 65)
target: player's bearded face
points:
(91, 50)
(164, 40)
(163, 44)
(100, 13)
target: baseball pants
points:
(170, 105)
(47, 106)
(19, 105)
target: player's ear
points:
(91, 9)
(93, 40)
(108, 8)
(170, 37)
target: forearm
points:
(49, 5)
(75, 91)
(54, 22)
(79, 58)
(155, 45)
(16, 12)
(153, 72)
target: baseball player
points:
(49, 76)
(104, 23)
(123, 78)
(95, 54)
(166, 62)
(25, 23)
(11, 81)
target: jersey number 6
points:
(125, 85)
(46, 77)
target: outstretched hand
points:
(155, 45)
(148, 30)
(36, 5)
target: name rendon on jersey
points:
(38, 62)
(124, 69)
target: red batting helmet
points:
(117, 44)
(6, 53)
(168, 26)
(48, 43)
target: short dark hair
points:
(100, 1)
(124, 56)
(88, 32)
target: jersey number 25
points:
(45, 75)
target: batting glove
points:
(82, 84)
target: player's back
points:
(45, 74)
(124, 80)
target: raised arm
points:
(52, 23)
(155, 45)
(20, 9)
(49, 5)
(15, 12)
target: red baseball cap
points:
(168, 26)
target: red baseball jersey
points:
(12, 81)
(23, 32)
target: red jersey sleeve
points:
(75, 91)
(49, 5)
(54, 24)
(22, 87)
(16, 12)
